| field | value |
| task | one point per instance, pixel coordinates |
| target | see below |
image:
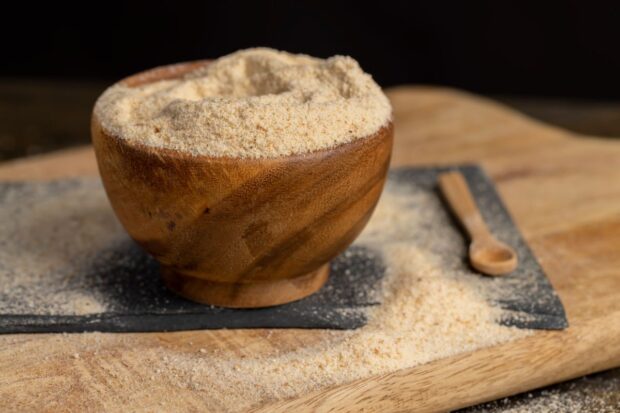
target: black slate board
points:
(142, 303)
(128, 280)
(526, 295)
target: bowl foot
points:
(245, 295)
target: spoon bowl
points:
(492, 257)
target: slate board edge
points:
(143, 323)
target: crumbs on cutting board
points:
(433, 307)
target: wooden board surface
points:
(564, 193)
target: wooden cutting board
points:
(564, 193)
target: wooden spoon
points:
(486, 254)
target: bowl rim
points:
(173, 71)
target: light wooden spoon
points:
(486, 254)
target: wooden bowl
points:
(239, 232)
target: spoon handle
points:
(456, 191)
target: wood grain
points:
(564, 193)
(244, 232)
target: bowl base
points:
(245, 295)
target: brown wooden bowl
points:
(241, 232)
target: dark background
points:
(557, 61)
(543, 48)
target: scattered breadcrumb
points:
(432, 307)
(429, 311)
(46, 247)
